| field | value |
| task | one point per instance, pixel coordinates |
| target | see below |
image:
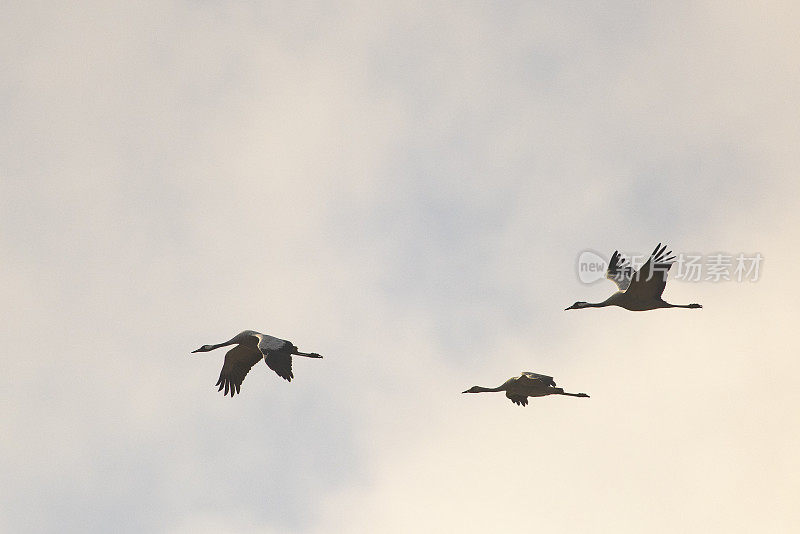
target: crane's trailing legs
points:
(562, 392)
(307, 354)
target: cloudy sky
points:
(404, 188)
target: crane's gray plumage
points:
(528, 384)
(251, 347)
(640, 290)
(546, 380)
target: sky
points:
(404, 188)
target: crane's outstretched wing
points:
(278, 355)
(649, 282)
(619, 271)
(519, 400)
(238, 362)
(543, 379)
(281, 363)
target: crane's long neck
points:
(482, 389)
(612, 300)
(233, 341)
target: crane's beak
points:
(198, 350)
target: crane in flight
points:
(251, 347)
(640, 290)
(528, 384)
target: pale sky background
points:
(405, 189)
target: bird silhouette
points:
(639, 291)
(251, 347)
(528, 384)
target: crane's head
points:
(474, 389)
(577, 306)
(204, 348)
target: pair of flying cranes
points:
(638, 291)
